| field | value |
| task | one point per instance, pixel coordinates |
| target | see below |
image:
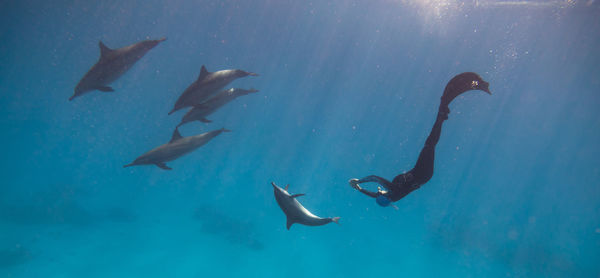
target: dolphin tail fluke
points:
(335, 219)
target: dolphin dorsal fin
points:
(176, 136)
(286, 187)
(104, 50)
(298, 195)
(289, 223)
(203, 73)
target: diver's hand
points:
(354, 184)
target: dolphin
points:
(207, 84)
(112, 64)
(295, 212)
(200, 111)
(177, 147)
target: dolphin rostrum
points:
(295, 212)
(200, 111)
(112, 64)
(207, 84)
(177, 147)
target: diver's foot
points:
(443, 112)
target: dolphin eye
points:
(474, 84)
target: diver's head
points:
(383, 201)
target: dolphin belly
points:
(305, 217)
(171, 152)
(295, 212)
(204, 94)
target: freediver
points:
(412, 180)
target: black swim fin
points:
(461, 83)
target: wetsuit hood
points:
(383, 201)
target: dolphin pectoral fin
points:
(205, 120)
(163, 166)
(106, 89)
(298, 195)
(289, 223)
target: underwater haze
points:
(346, 89)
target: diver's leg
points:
(423, 170)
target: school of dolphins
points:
(203, 97)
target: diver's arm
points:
(368, 193)
(354, 183)
(372, 178)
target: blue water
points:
(347, 89)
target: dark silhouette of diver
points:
(406, 183)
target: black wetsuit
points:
(419, 175)
(405, 183)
